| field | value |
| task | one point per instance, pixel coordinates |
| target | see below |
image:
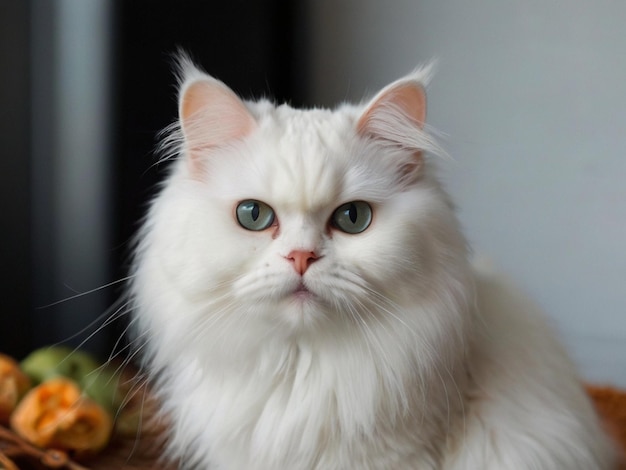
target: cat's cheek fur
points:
(412, 232)
(195, 243)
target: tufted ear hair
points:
(405, 98)
(211, 115)
(396, 117)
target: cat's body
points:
(307, 303)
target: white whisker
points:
(82, 294)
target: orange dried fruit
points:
(56, 414)
(13, 385)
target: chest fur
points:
(313, 412)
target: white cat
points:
(307, 302)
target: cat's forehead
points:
(305, 155)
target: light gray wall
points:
(532, 98)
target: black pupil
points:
(255, 211)
(352, 213)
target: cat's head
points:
(294, 221)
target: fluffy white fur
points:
(401, 355)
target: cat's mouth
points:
(304, 295)
(302, 292)
(302, 289)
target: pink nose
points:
(301, 260)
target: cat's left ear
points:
(396, 117)
(211, 114)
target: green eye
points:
(353, 217)
(255, 215)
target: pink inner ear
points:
(409, 98)
(211, 115)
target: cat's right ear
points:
(211, 115)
